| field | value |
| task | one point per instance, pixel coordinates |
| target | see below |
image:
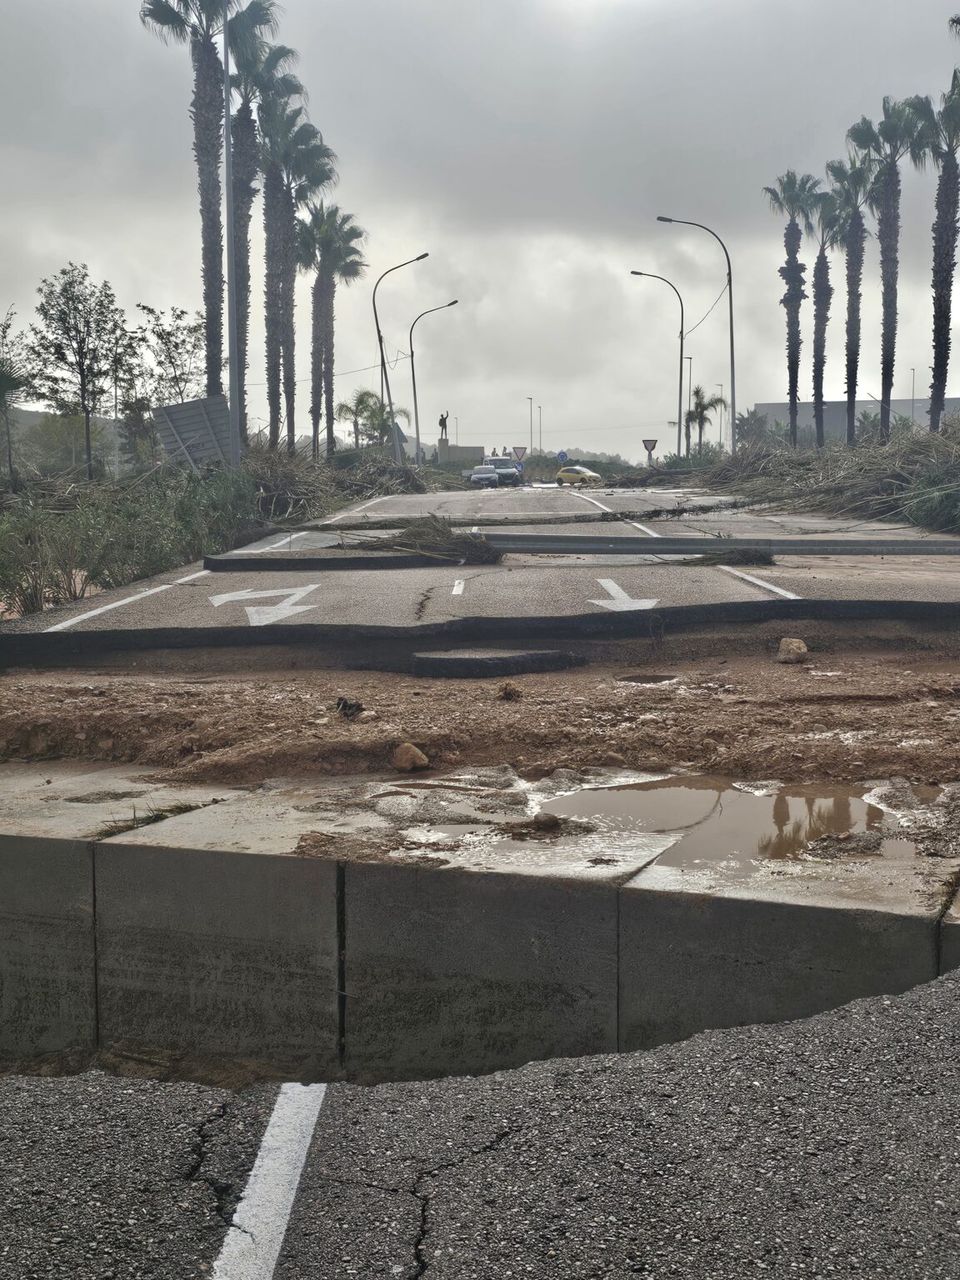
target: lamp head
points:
(421, 258)
(661, 218)
(453, 303)
(637, 273)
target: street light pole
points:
(733, 363)
(413, 372)
(456, 427)
(384, 376)
(232, 343)
(689, 360)
(913, 397)
(530, 398)
(540, 416)
(680, 388)
(720, 385)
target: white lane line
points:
(353, 511)
(141, 595)
(458, 587)
(105, 608)
(759, 582)
(644, 529)
(254, 1241)
(285, 541)
(593, 500)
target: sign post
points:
(649, 445)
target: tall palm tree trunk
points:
(945, 228)
(888, 235)
(316, 363)
(822, 296)
(330, 294)
(206, 111)
(686, 434)
(245, 169)
(273, 296)
(854, 241)
(288, 329)
(792, 273)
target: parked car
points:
(577, 476)
(484, 477)
(507, 470)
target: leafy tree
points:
(72, 345)
(795, 199)
(827, 224)
(939, 139)
(59, 442)
(14, 381)
(330, 248)
(703, 407)
(376, 427)
(895, 135)
(753, 427)
(198, 23)
(296, 164)
(355, 411)
(173, 349)
(263, 70)
(851, 182)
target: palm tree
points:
(329, 247)
(355, 411)
(851, 182)
(795, 198)
(700, 414)
(826, 237)
(296, 164)
(940, 140)
(262, 70)
(13, 380)
(198, 23)
(375, 424)
(884, 144)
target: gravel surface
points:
(111, 1179)
(827, 1147)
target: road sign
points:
(649, 445)
(562, 457)
(519, 451)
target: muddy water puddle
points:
(709, 819)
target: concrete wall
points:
(185, 961)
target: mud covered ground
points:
(843, 716)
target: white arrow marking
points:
(620, 601)
(261, 617)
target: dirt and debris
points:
(861, 715)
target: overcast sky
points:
(529, 146)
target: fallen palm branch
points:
(435, 538)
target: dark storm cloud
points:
(529, 145)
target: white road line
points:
(353, 511)
(105, 608)
(475, 529)
(254, 1241)
(644, 529)
(458, 587)
(286, 540)
(141, 595)
(759, 582)
(593, 500)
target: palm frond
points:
(169, 21)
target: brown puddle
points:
(714, 819)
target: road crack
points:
(226, 1195)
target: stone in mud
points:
(792, 650)
(407, 758)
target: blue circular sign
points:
(562, 457)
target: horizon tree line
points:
(869, 180)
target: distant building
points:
(835, 413)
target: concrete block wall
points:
(187, 960)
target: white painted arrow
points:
(620, 602)
(261, 617)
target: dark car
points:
(484, 477)
(507, 470)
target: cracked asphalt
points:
(823, 1148)
(828, 1147)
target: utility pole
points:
(530, 398)
(384, 375)
(664, 280)
(540, 414)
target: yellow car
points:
(577, 475)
